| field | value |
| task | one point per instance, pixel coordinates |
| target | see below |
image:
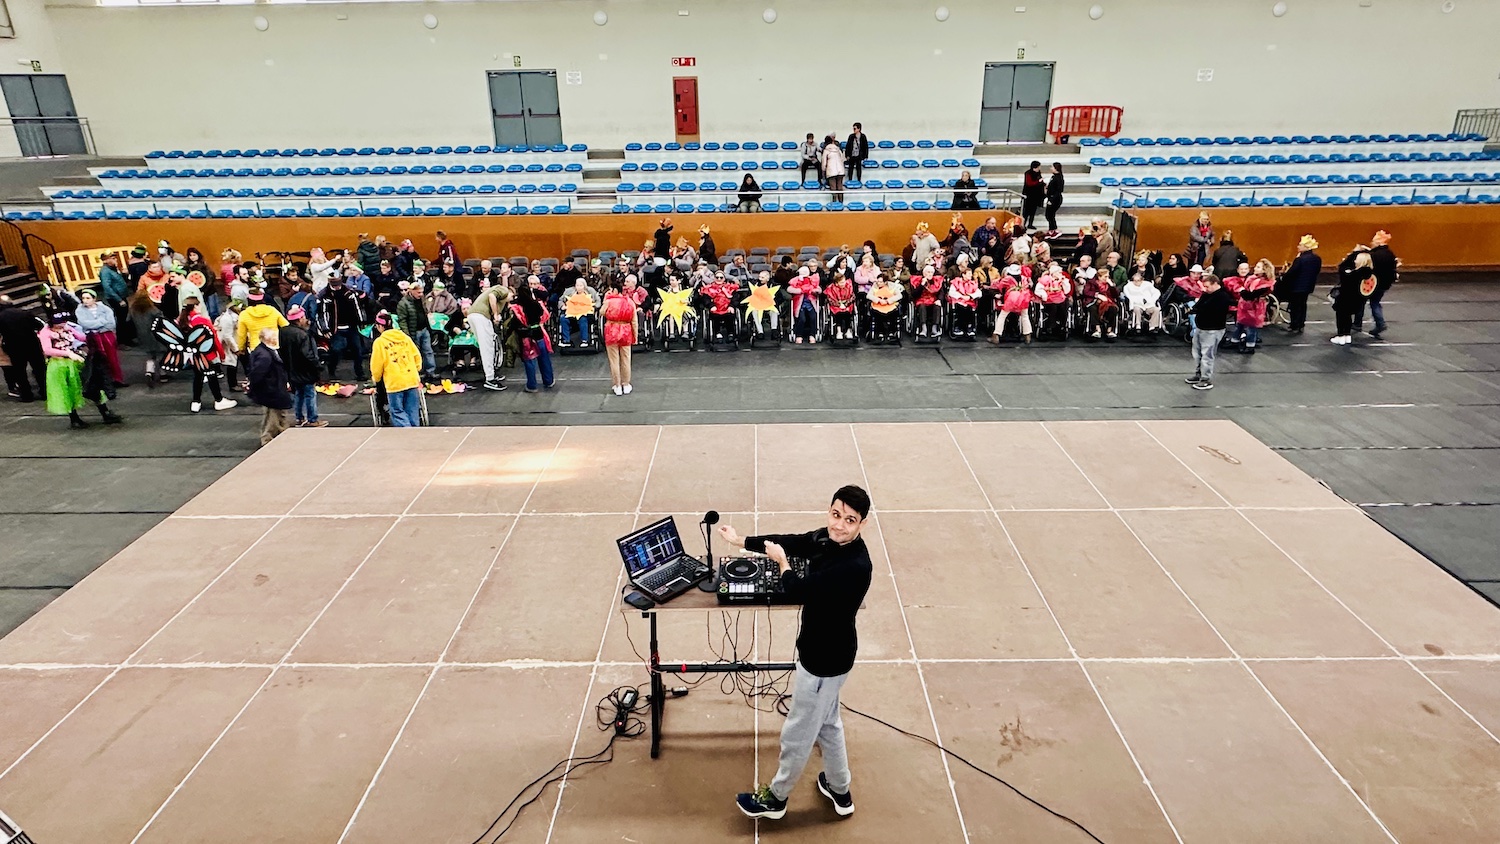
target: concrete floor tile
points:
(1115, 456)
(1021, 468)
(703, 466)
(596, 470)
(492, 472)
(913, 467)
(35, 701)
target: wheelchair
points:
(595, 343)
(913, 317)
(789, 327)
(1044, 319)
(771, 330)
(896, 322)
(829, 327)
(645, 329)
(715, 340)
(679, 338)
(952, 318)
(1087, 322)
(1176, 315)
(380, 411)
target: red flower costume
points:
(1015, 292)
(619, 319)
(840, 296)
(1252, 291)
(1054, 288)
(721, 296)
(801, 287)
(927, 291)
(963, 292)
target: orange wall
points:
(1457, 237)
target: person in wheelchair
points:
(444, 315)
(1186, 289)
(1142, 299)
(805, 290)
(927, 299)
(675, 317)
(963, 299)
(840, 296)
(719, 297)
(885, 310)
(1053, 290)
(988, 277)
(1014, 296)
(763, 309)
(644, 310)
(1253, 289)
(1101, 306)
(580, 307)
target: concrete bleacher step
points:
(20, 286)
(1035, 150)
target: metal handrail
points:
(41, 253)
(1481, 121)
(13, 246)
(81, 123)
(1280, 195)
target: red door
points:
(685, 105)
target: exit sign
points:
(685, 61)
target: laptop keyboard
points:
(654, 581)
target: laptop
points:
(656, 563)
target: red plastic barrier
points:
(1065, 121)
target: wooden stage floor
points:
(1162, 629)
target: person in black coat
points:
(1033, 193)
(299, 353)
(965, 193)
(663, 237)
(1349, 298)
(18, 337)
(856, 150)
(268, 384)
(1055, 187)
(1386, 266)
(1299, 281)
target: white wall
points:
(33, 42)
(380, 78)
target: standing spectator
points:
(340, 314)
(956, 231)
(1250, 315)
(1033, 193)
(113, 285)
(229, 267)
(20, 341)
(833, 167)
(98, 324)
(1356, 281)
(1228, 257)
(268, 384)
(811, 157)
(320, 268)
(965, 193)
(1055, 186)
(1172, 269)
(259, 315)
(210, 284)
(367, 253)
(143, 315)
(228, 326)
(663, 237)
(749, 195)
(1200, 240)
(484, 315)
(411, 314)
(619, 336)
(300, 354)
(1210, 313)
(527, 320)
(406, 259)
(706, 249)
(1299, 281)
(923, 244)
(205, 367)
(1104, 240)
(136, 266)
(447, 251)
(1387, 269)
(395, 361)
(386, 285)
(856, 150)
(71, 376)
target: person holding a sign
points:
(579, 306)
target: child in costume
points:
(927, 297)
(841, 297)
(885, 310)
(1015, 301)
(805, 289)
(963, 296)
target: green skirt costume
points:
(64, 385)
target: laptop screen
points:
(651, 546)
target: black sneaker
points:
(494, 385)
(842, 803)
(761, 804)
(1192, 379)
(1203, 385)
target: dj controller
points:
(754, 579)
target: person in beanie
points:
(300, 355)
(485, 314)
(268, 384)
(396, 362)
(1210, 314)
(71, 376)
(255, 319)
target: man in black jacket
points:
(1386, 266)
(856, 150)
(300, 353)
(838, 576)
(340, 315)
(1299, 281)
(18, 338)
(268, 384)
(1210, 313)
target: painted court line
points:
(185, 607)
(1220, 635)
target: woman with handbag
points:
(528, 320)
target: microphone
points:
(711, 518)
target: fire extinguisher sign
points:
(685, 61)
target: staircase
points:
(17, 278)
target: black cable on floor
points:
(1054, 813)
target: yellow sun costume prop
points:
(580, 305)
(674, 306)
(762, 298)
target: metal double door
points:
(525, 107)
(1016, 98)
(41, 108)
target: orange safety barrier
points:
(1065, 121)
(80, 268)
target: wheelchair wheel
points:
(1174, 320)
(1276, 312)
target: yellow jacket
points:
(395, 359)
(252, 320)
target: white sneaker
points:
(618, 390)
(1341, 340)
(225, 404)
(627, 389)
(195, 406)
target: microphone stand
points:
(710, 583)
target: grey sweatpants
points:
(1205, 350)
(814, 719)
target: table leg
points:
(658, 690)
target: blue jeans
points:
(423, 339)
(211, 302)
(406, 408)
(583, 328)
(305, 403)
(347, 343)
(544, 363)
(1249, 335)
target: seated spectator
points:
(841, 297)
(885, 310)
(1142, 298)
(805, 290)
(579, 307)
(965, 193)
(738, 272)
(963, 296)
(749, 195)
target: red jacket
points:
(1097, 287)
(1054, 289)
(1251, 311)
(721, 296)
(619, 319)
(840, 296)
(927, 291)
(199, 318)
(802, 287)
(963, 292)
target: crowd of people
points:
(390, 323)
